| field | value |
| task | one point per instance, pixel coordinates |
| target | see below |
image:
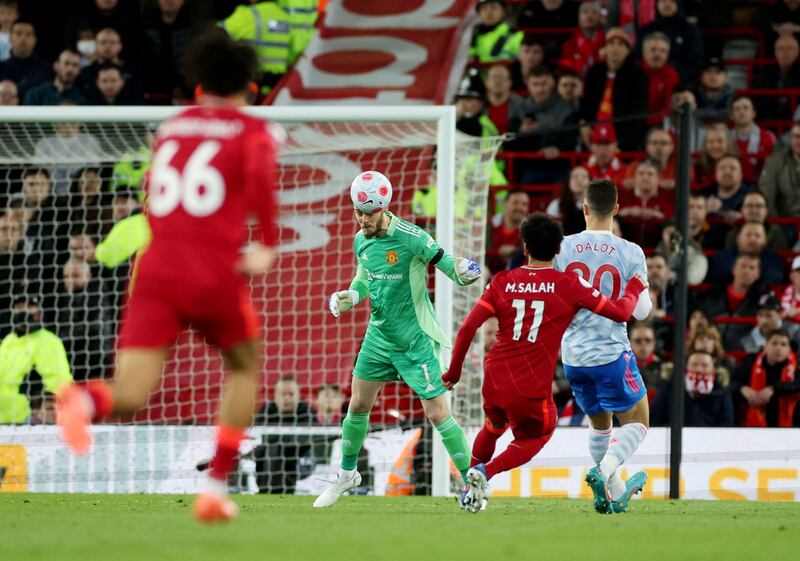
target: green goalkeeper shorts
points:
(420, 367)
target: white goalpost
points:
(95, 159)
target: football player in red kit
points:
(212, 166)
(534, 304)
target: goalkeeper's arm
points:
(462, 270)
(344, 300)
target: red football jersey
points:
(534, 306)
(212, 167)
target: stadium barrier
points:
(724, 464)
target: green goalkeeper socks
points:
(456, 444)
(354, 431)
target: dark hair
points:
(35, 171)
(601, 197)
(567, 206)
(756, 192)
(568, 73)
(69, 50)
(542, 236)
(24, 22)
(219, 65)
(531, 39)
(323, 387)
(540, 70)
(740, 97)
(109, 66)
(516, 192)
(780, 332)
(690, 353)
(650, 162)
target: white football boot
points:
(342, 485)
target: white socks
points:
(626, 440)
(346, 473)
(215, 486)
(598, 443)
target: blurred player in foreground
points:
(403, 337)
(596, 353)
(213, 164)
(534, 305)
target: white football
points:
(371, 191)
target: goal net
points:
(71, 199)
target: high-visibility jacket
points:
(423, 203)
(265, 27)
(498, 44)
(127, 237)
(302, 18)
(41, 349)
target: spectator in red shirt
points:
(661, 148)
(617, 89)
(644, 209)
(505, 108)
(717, 144)
(584, 47)
(790, 300)
(603, 163)
(505, 239)
(755, 144)
(663, 78)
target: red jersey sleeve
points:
(261, 163)
(617, 310)
(484, 309)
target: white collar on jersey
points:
(597, 232)
(536, 268)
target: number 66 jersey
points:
(606, 262)
(212, 167)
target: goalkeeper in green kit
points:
(403, 337)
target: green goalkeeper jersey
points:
(393, 270)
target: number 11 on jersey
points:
(538, 313)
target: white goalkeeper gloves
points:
(467, 270)
(342, 301)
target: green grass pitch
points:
(44, 527)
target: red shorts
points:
(157, 310)
(528, 418)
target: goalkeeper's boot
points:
(73, 415)
(633, 485)
(597, 482)
(478, 487)
(342, 485)
(210, 508)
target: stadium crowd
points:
(583, 90)
(587, 90)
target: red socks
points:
(227, 454)
(517, 454)
(100, 394)
(483, 447)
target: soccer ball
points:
(371, 191)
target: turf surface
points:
(46, 527)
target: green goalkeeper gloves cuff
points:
(343, 301)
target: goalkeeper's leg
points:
(438, 412)
(354, 431)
